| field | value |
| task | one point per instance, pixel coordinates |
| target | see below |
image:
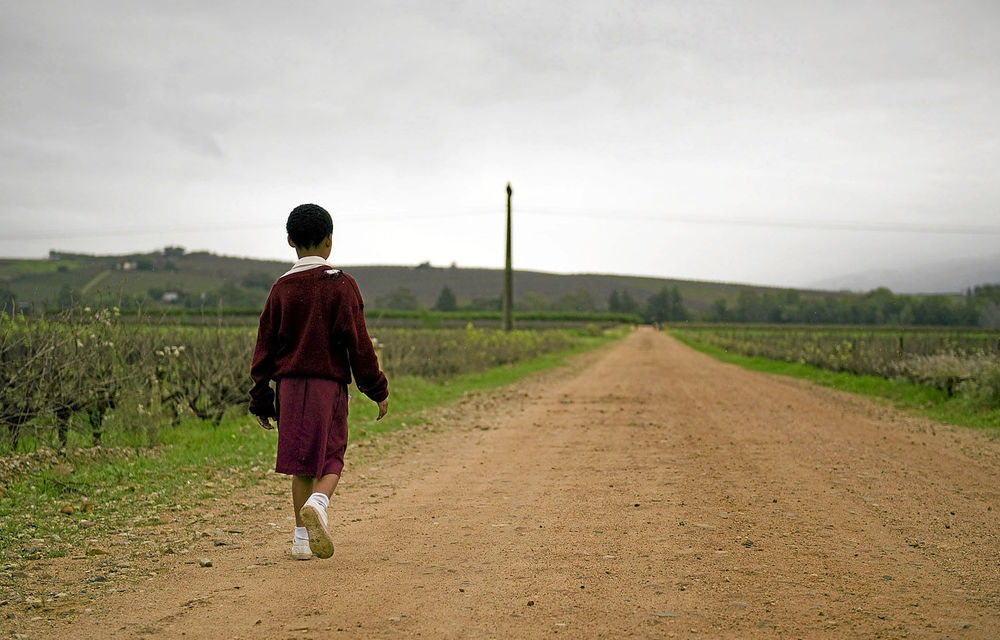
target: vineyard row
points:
(72, 372)
(962, 363)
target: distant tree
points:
(906, 314)
(750, 307)
(446, 300)
(987, 292)
(718, 312)
(982, 304)
(400, 298)
(614, 302)
(935, 311)
(173, 252)
(657, 306)
(666, 306)
(629, 304)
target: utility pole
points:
(508, 277)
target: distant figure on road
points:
(312, 337)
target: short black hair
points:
(308, 225)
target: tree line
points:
(978, 306)
(664, 306)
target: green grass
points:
(13, 267)
(195, 462)
(127, 487)
(908, 396)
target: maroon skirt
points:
(312, 426)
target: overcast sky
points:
(770, 142)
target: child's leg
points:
(305, 486)
(301, 490)
(326, 484)
(312, 513)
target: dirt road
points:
(648, 492)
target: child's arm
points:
(364, 362)
(262, 369)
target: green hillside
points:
(203, 278)
(175, 279)
(469, 284)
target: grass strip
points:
(908, 396)
(75, 504)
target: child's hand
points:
(383, 408)
(264, 422)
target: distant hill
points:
(952, 276)
(468, 284)
(243, 282)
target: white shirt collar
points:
(306, 263)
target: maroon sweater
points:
(313, 326)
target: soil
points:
(646, 490)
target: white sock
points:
(300, 534)
(321, 500)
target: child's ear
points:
(329, 241)
(290, 243)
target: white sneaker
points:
(301, 550)
(314, 519)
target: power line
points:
(234, 226)
(526, 213)
(847, 225)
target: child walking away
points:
(311, 338)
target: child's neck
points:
(319, 253)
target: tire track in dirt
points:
(652, 493)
